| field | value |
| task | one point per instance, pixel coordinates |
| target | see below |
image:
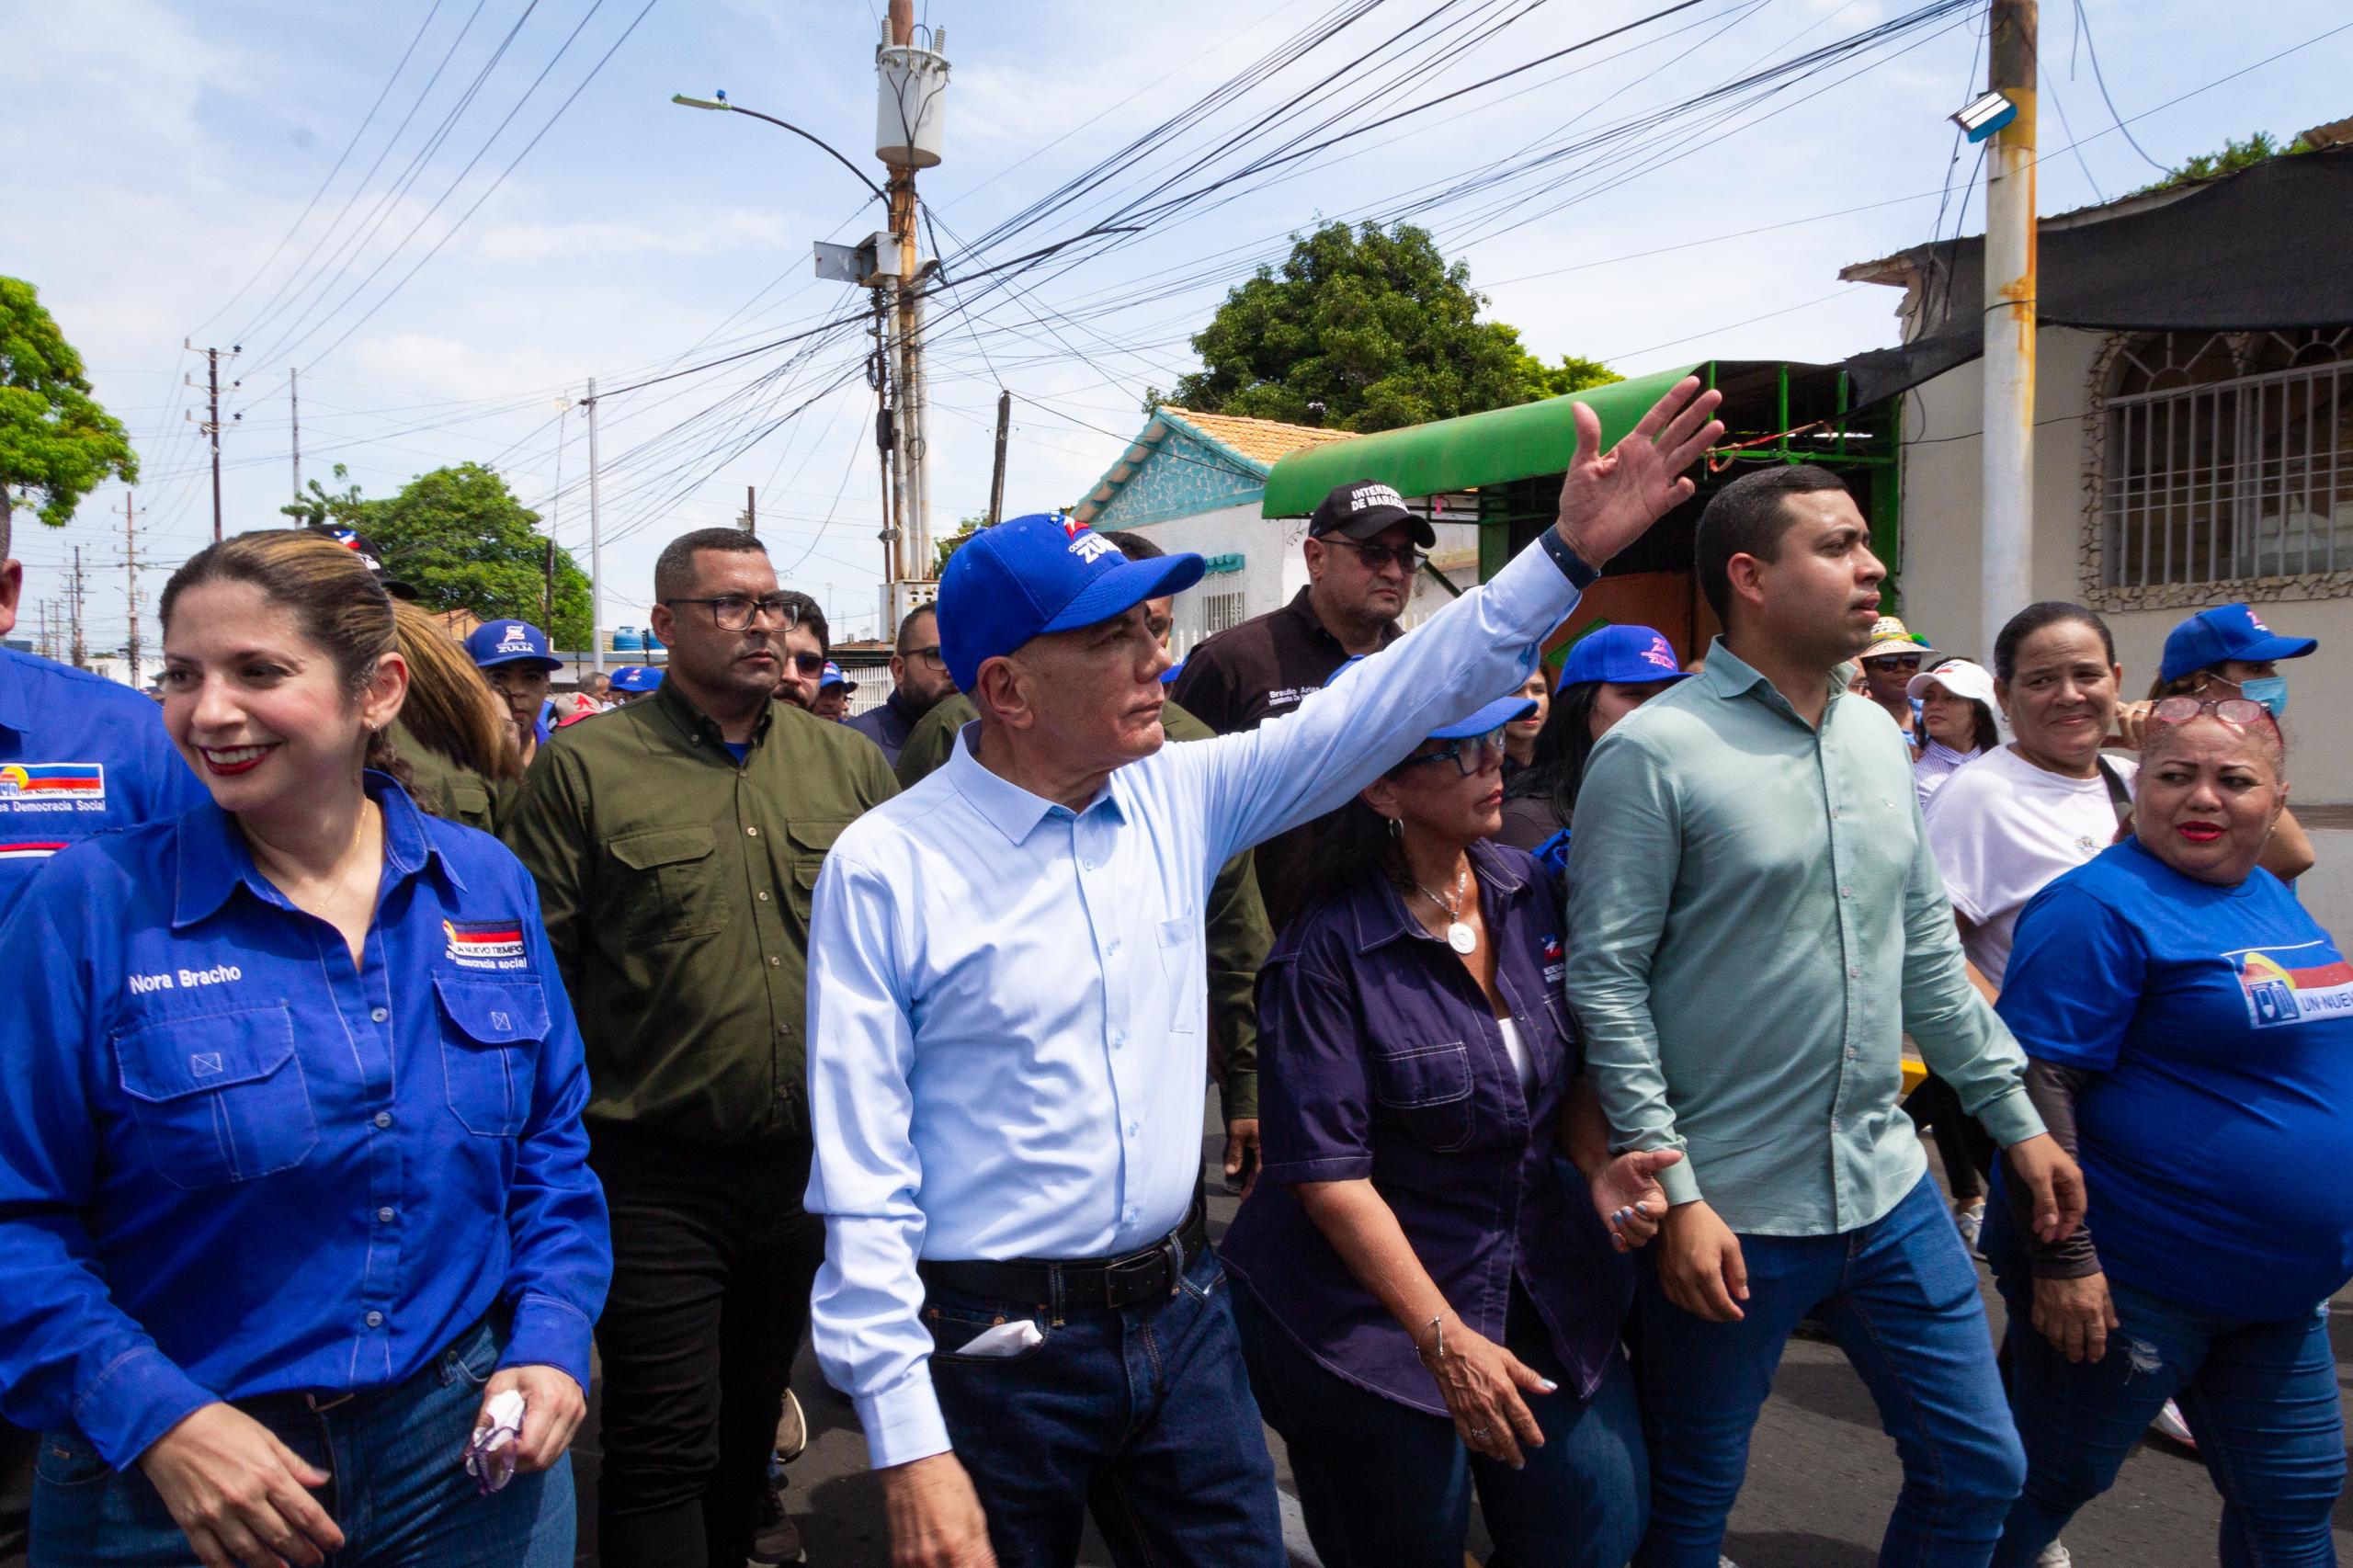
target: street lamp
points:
(721, 103)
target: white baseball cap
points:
(1962, 677)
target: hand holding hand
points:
(2050, 1174)
(2075, 1316)
(1482, 1383)
(1628, 1197)
(1699, 1266)
(239, 1494)
(553, 1408)
(1607, 501)
(935, 1518)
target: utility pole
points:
(996, 473)
(80, 653)
(2006, 563)
(294, 403)
(907, 132)
(546, 591)
(130, 585)
(751, 511)
(211, 424)
(596, 543)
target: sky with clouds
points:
(444, 282)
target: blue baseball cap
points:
(1168, 676)
(636, 678)
(2226, 632)
(1028, 577)
(510, 643)
(833, 676)
(1493, 716)
(1623, 655)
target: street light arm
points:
(704, 103)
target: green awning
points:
(1494, 447)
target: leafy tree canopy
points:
(1375, 324)
(463, 541)
(2235, 155)
(56, 444)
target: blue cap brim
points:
(1493, 716)
(1124, 586)
(2265, 651)
(1651, 676)
(539, 659)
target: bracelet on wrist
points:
(1574, 567)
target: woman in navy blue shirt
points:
(2190, 1035)
(293, 1179)
(1426, 1310)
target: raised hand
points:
(1607, 501)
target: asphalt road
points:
(1820, 1477)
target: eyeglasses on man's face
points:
(1888, 663)
(734, 612)
(1377, 557)
(1469, 754)
(930, 658)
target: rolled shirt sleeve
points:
(1623, 861)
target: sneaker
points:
(2171, 1426)
(791, 1431)
(778, 1541)
(2054, 1556)
(1969, 1221)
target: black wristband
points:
(1573, 565)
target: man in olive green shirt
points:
(1239, 934)
(677, 843)
(1757, 921)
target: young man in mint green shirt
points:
(1758, 923)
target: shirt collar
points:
(1006, 806)
(1303, 610)
(1729, 675)
(213, 858)
(1382, 917)
(697, 726)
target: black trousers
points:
(1966, 1148)
(713, 1258)
(17, 1448)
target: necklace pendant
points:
(1462, 938)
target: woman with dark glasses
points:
(1427, 1310)
(2189, 1030)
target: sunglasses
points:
(807, 663)
(491, 1456)
(1894, 662)
(1377, 557)
(2235, 712)
(1469, 754)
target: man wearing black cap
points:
(1363, 547)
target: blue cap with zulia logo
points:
(636, 678)
(1028, 577)
(510, 643)
(1483, 720)
(2225, 632)
(1622, 655)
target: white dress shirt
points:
(1006, 997)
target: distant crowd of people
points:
(389, 1030)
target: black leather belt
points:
(1079, 1284)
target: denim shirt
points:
(1382, 1060)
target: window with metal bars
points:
(1220, 611)
(2229, 456)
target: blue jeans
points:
(399, 1492)
(2261, 1398)
(1901, 1296)
(1383, 1485)
(1142, 1417)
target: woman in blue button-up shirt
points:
(293, 1179)
(1426, 1310)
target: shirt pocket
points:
(1185, 969)
(1428, 1090)
(808, 842)
(219, 1097)
(490, 1055)
(668, 885)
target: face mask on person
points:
(2270, 690)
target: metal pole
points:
(294, 403)
(73, 608)
(752, 510)
(547, 590)
(595, 544)
(996, 474)
(212, 426)
(130, 589)
(2006, 563)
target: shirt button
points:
(1117, 1039)
(1834, 1124)
(383, 1215)
(378, 1015)
(764, 897)
(1854, 972)
(375, 1320)
(1132, 1129)
(1846, 893)
(1111, 948)
(383, 1118)
(1850, 1055)
(752, 832)
(774, 962)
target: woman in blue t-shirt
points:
(2190, 1035)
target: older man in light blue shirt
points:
(1006, 1034)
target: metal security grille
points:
(2230, 456)
(1220, 611)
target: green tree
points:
(462, 539)
(321, 507)
(56, 444)
(1375, 324)
(947, 545)
(2235, 155)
